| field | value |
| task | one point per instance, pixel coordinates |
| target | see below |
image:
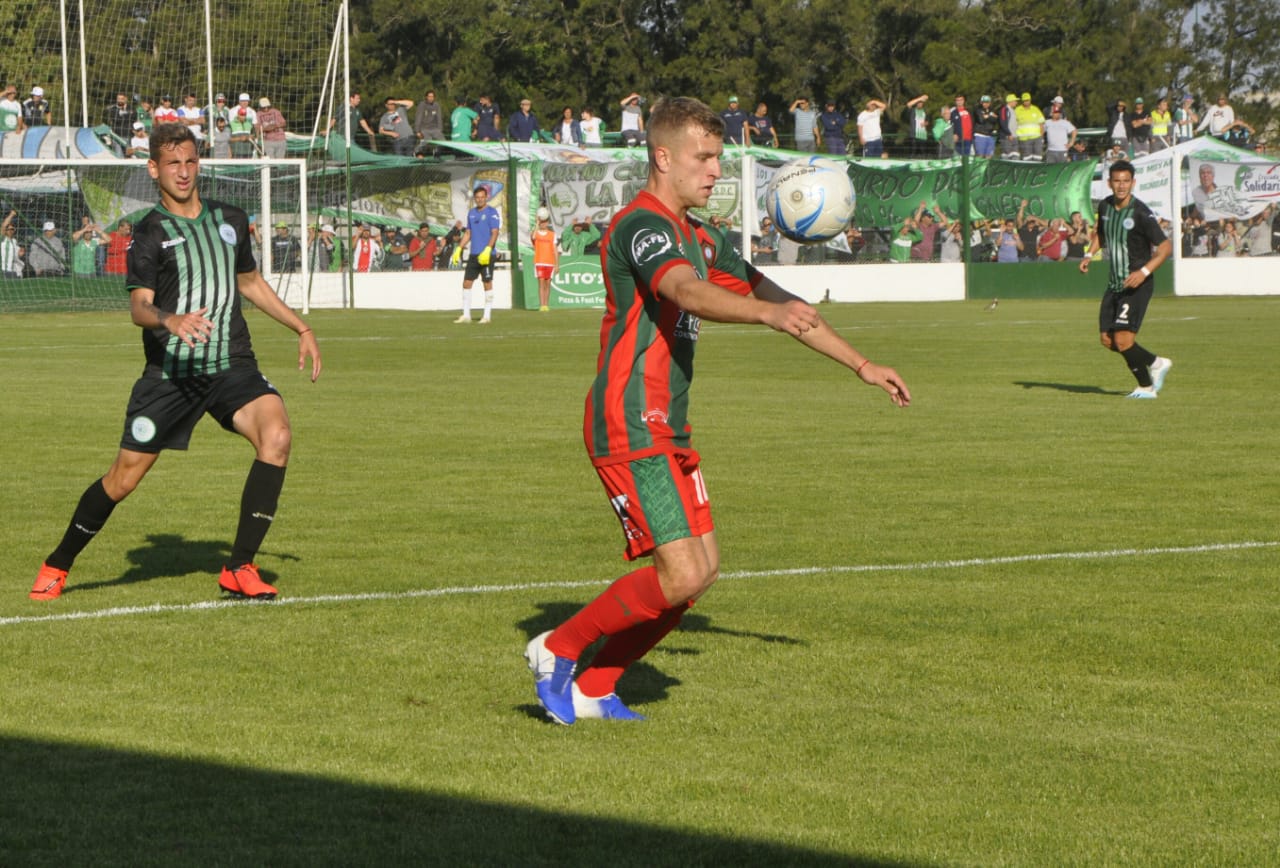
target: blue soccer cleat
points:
(553, 679)
(605, 708)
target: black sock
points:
(1139, 360)
(257, 511)
(91, 514)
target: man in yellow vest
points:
(1029, 130)
(1161, 126)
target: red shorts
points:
(658, 499)
(543, 272)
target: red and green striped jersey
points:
(190, 264)
(638, 404)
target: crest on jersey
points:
(228, 233)
(142, 429)
(1128, 223)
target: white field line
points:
(920, 566)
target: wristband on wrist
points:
(858, 370)
(1146, 271)
(303, 332)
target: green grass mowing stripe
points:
(1082, 711)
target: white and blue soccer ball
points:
(811, 199)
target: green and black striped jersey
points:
(192, 264)
(1130, 235)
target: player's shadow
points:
(1068, 387)
(643, 682)
(172, 556)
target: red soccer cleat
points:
(49, 583)
(245, 582)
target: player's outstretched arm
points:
(258, 291)
(822, 338)
(702, 298)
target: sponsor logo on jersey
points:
(172, 242)
(688, 326)
(228, 233)
(648, 245)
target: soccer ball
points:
(811, 199)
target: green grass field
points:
(1023, 622)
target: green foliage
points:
(848, 691)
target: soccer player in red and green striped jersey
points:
(664, 273)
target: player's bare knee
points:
(274, 445)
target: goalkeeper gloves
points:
(457, 255)
(483, 258)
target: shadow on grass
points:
(1068, 387)
(77, 805)
(643, 682)
(167, 556)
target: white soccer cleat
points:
(463, 319)
(1159, 370)
(484, 320)
(1140, 392)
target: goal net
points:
(86, 72)
(66, 225)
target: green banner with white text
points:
(890, 191)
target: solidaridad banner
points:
(1235, 191)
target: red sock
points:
(632, 599)
(623, 649)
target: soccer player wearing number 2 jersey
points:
(664, 273)
(189, 264)
(1131, 233)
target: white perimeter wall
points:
(934, 281)
(1239, 275)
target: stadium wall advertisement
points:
(592, 184)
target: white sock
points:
(488, 302)
(466, 303)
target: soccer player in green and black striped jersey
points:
(1136, 246)
(188, 265)
(664, 274)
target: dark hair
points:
(1120, 166)
(170, 135)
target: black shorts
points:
(475, 269)
(163, 413)
(1123, 311)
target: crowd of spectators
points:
(1015, 130)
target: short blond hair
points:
(671, 116)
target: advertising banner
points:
(1233, 190)
(890, 191)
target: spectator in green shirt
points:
(907, 236)
(84, 248)
(577, 239)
